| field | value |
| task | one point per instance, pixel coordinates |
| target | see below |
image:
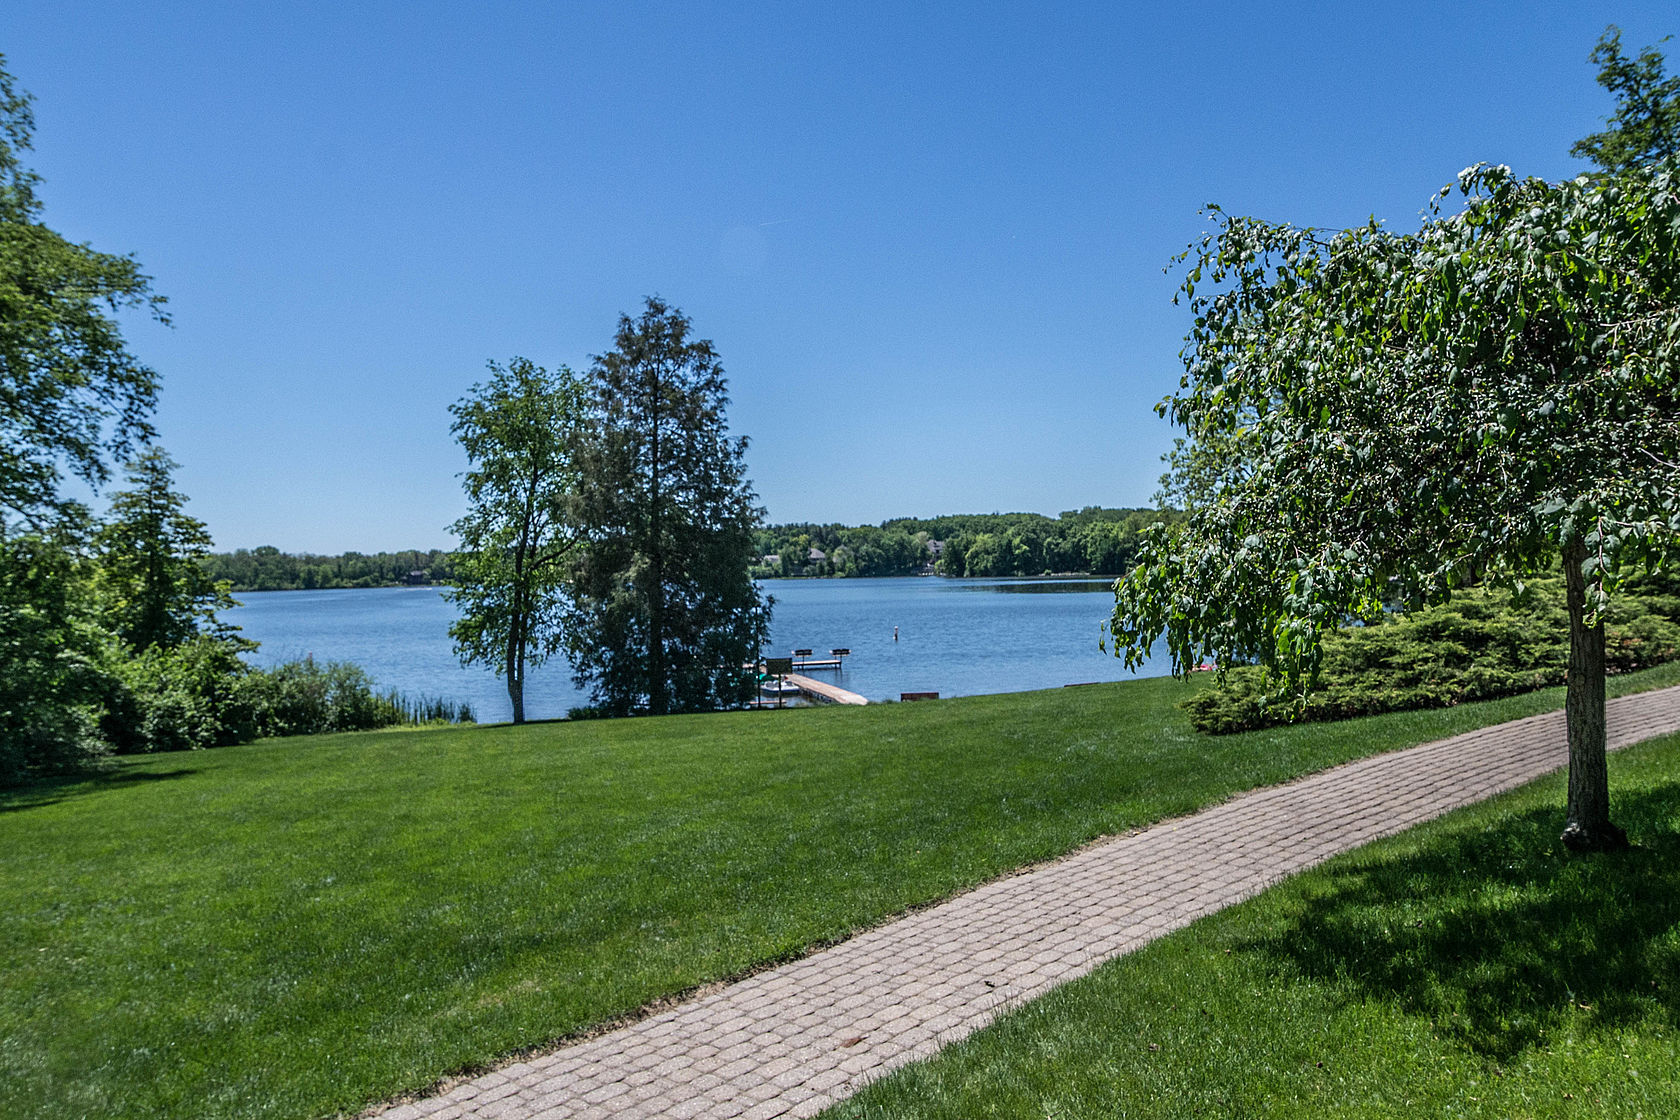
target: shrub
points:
(306, 698)
(200, 694)
(187, 697)
(1481, 645)
(51, 679)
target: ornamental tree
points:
(1377, 417)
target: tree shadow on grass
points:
(1500, 937)
(50, 791)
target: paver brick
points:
(791, 1041)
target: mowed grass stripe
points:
(1469, 967)
(295, 928)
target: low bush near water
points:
(201, 695)
(1481, 645)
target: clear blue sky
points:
(928, 240)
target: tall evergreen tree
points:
(664, 613)
(155, 586)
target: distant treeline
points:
(1091, 540)
(268, 569)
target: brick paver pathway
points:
(795, 1039)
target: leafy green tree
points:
(156, 589)
(71, 398)
(664, 612)
(521, 431)
(71, 395)
(1646, 127)
(51, 649)
(1492, 393)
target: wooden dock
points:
(827, 693)
(818, 663)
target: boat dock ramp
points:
(782, 674)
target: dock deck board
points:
(822, 691)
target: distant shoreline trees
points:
(266, 568)
(1090, 541)
(1093, 541)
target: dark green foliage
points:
(1367, 410)
(1479, 645)
(1646, 127)
(51, 653)
(522, 431)
(199, 695)
(664, 614)
(306, 698)
(266, 568)
(153, 587)
(183, 697)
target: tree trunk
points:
(516, 624)
(1588, 828)
(658, 690)
(516, 672)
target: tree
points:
(70, 393)
(51, 682)
(664, 612)
(1646, 127)
(71, 398)
(156, 588)
(521, 432)
(1386, 417)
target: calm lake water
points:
(956, 637)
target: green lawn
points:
(296, 927)
(1466, 968)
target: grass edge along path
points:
(1468, 967)
(793, 1040)
(298, 927)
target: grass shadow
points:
(1498, 936)
(50, 791)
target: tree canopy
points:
(1645, 129)
(1379, 418)
(71, 395)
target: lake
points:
(956, 637)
